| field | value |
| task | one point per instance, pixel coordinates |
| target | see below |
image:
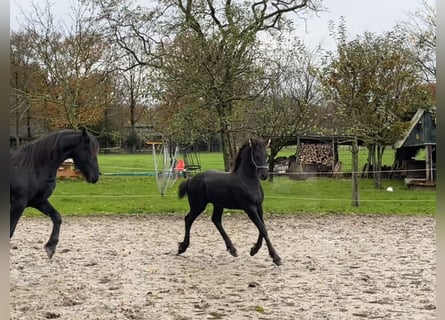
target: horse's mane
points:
(246, 144)
(45, 149)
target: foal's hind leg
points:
(46, 208)
(189, 218)
(216, 218)
(254, 216)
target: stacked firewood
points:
(316, 153)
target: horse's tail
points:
(183, 188)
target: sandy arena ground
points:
(126, 267)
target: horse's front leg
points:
(254, 250)
(47, 209)
(217, 221)
(252, 212)
(259, 242)
(16, 209)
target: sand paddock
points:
(126, 267)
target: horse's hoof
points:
(50, 251)
(277, 261)
(253, 251)
(233, 252)
(181, 248)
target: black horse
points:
(239, 189)
(32, 174)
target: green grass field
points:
(143, 162)
(139, 194)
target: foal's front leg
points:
(252, 212)
(259, 242)
(217, 221)
(47, 209)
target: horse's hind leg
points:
(189, 218)
(46, 208)
(216, 218)
(254, 216)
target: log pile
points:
(321, 154)
(68, 170)
(313, 159)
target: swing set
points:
(168, 168)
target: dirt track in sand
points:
(125, 267)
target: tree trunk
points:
(17, 115)
(28, 123)
(355, 174)
(273, 154)
(17, 127)
(370, 161)
(132, 116)
(227, 138)
(228, 147)
(378, 166)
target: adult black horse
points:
(239, 189)
(33, 169)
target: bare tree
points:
(24, 75)
(420, 30)
(134, 83)
(71, 56)
(289, 104)
(219, 68)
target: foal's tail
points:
(183, 188)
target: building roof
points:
(421, 130)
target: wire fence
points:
(385, 173)
(343, 167)
(143, 164)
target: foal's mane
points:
(46, 148)
(249, 142)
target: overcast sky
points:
(377, 16)
(361, 15)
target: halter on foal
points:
(33, 169)
(239, 189)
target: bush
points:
(132, 142)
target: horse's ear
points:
(85, 134)
(250, 142)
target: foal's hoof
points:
(254, 251)
(181, 248)
(277, 261)
(50, 251)
(233, 252)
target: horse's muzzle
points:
(93, 178)
(263, 174)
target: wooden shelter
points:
(315, 155)
(421, 134)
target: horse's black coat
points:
(239, 189)
(33, 169)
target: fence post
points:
(355, 173)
